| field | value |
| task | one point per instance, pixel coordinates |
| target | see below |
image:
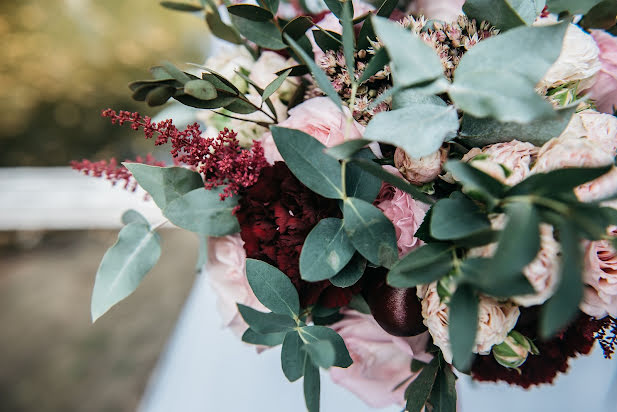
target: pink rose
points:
(604, 90)
(447, 10)
(422, 170)
(227, 275)
(380, 361)
(320, 118)
(600, 274)
(405, 213)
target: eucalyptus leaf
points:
(179, 6)
(202, 253)
(305, 157)
(370, 231)
(293, 357)
(273, 288)
(419, 389)
(424, 265)
(133, 216)
(443, 395)
(241, 106)
(200, 89)
(265, 323)
(601, 16)
(571, 6)
(463, 324)
(268, 339)
(312, 334)
(262, 33)
(159, 95)
(360, 183)
(322, 353)
(326, 251)
(503, 14)
(250, 12)
(222, 30)
(124, 265)
(335, 6)
(297, 27)
(165, 184)
(349, 41)
(176, 73)
(327, 40)
(274, 85)
(351, 273)
(311, 384)
(485, 277)
(347, 149)
(419, 129)
(457, 219)
(203, 211)
(412, 97)
(556, 182)
(377, 63)
(475, 180)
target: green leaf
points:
(133, 216)
(335, 6)
(562, 307)
(311, 386)
(250, 12)
(419, 389)
(376, 170)
(348, 38)
(475, 180)
(463, 324)
(274, 85)
(327, 40)
(262, 33)
(202, 253)
(557, 182)
(179, 6)
(360, 183)
(312, 334)
(272, 5)
(503, 14)
(358, 303)
(419, 129)
(424, 265)
(159, 95)
(176, 73)
(443, 395)
(456, 219)
(412, 97)
(321, 352)
(123, 266)
(370, 231)
(326, 251)
(351, 273)
(347, 149)
(165, 184)
(571, 6)
(318, 74)
(481, 132)
(222, 30)
(265, 323)
(292, 357)
(601, 16)
(273, 288)
(412, 60)
(269, 339)
(202, 211)
(305, 157)
(481, 273)
(386, 8)
(200, 89)
(297, 27)
(377, 63)
(241, 106)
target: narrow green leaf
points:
(571, 6)
(293, 358)
(297, 27)
(481, 273)
(176, 73)
(200, 89)
(370, 231)
(312, 334)
(335, 6)
(311, 384)
(306, 159)
(274, 85)
(320, 77)
(347, 149)
(272, 5)
(165, 184)
(179, 6)
(419, 389)
(424, 265)
(377, 63)
(443, 395)
(503, 14)
(262, 33)
(351, 273)
(321, 352)
(562, 307)
(463, 324)
(265, 323)
(269, 339)
(432, 125)
(475, 180)
(202, 211)
(123, 266)
(222, 30)
(241, 106)
(273, 288)
(557, 182)
(250, 12)
(348, 38)
(386, 8)
(327, 40)
(456, 219)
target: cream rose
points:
(495, 320)
(600, 274)
(599, 128)
(380, 361)
(422, 170)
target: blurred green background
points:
(61, 63)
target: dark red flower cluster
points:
(221, 159)
(276, 215)
(577, 338)
(113, 171)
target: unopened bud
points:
(513, 351)
(422, 170)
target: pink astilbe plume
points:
(220, 160)
(113, 171)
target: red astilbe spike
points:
(113, 171)
(221, 160)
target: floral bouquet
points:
(398, 193)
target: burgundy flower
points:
(276, 214)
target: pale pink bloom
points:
(515, 157)
(422, 170)
(226, 271)
(600, 274)
(604, 90)
(320, 118)
(599, 128)
(380, 361)
(496, 319)
(596, 306)
(446, 10)
(406, 214)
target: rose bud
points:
(422, 170)
(397, 311)
(513, 351)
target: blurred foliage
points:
(63, 61)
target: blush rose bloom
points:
(320, 118)
(226, 271)
(422, 170)
(516, 156)
(496, 320)
(380, 361)
(446, 10)
(599, 128)
(600, 274)
(604, 90)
